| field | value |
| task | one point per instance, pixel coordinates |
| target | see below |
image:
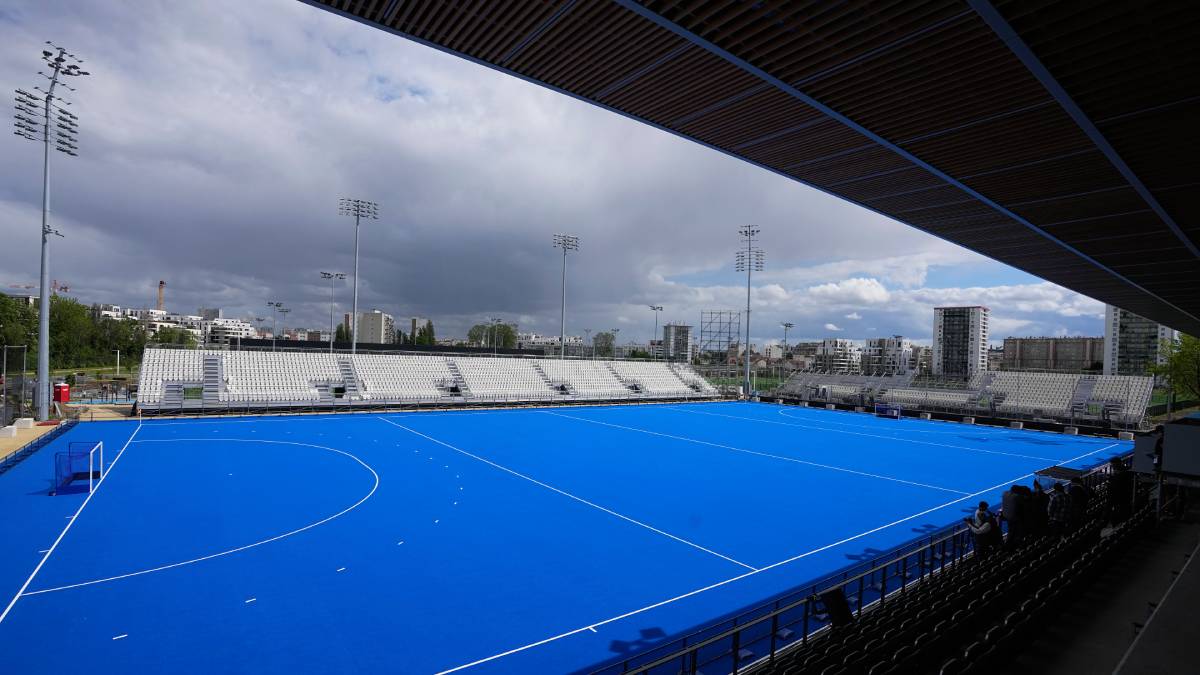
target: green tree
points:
(339, 334)
(1182, 367)
(72, 334)
(504, 335)
(603, 343)
(18, 323)
(425, 335)
(639, 354)
(175, 336)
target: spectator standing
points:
(1038, 503)
(1080, 497)
(985, 528)
(1058, 510)
(1012, 507)
(1120, 490)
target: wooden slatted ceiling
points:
(933, 79)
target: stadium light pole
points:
(275, 306)
(566, 242)
(656, 309)
(284, 311)
(359, 208)
(787, 325)
(749, 259)
(588, 333)
(495, 326)
(34, 124)
(614, 343)
(333, 278)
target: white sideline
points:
(568, 494)
(756, 452)
(232, 550)
(860, 433)
(50, 551)
(593, 625)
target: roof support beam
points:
(1017, 46)
(794, 92)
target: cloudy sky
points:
(218, 136)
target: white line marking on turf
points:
(568, 494)
(760, 454)
(718, 584)
(250, 600)
(50, 551)
(860, 433)
(122, 636)
(341, 569)
(232, 550)
(592, 628)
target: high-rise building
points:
(891, 355)
(922, 359)
(376, 327)
(677, 343)
(1132, 344)
(960, 341)
(211, 313)
(839, 355)
(1062, 354)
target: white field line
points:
(861, 433)
(239, 548)
(756, 452)
(593, 625)
(50, 551)
(568, 494)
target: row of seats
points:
(958, 619)
(313, 378)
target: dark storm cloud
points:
(217, 137)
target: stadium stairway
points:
(970, 616)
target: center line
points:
(568, 494)
(756, 452)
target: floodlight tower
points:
(359, 208)
(749, 259)
(34, 124)
(275, 306)
(284, 311)
(333, 278)
(786, 327)
(656, 309)
(566, 242)
(588, 332)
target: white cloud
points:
(855, 291)
(854, 316)
(831, 327)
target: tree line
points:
(79, 338)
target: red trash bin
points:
(62, 392)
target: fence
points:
(36, 444)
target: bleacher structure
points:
(213, 380)
(1061, 397)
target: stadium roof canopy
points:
(1057, 137)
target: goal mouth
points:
(889, 411)
(79, 469)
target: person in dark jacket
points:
(985, 528)
(1014, 508)
(1058, 510)
(1120, 490)
(1038, 501)
(1080, 497)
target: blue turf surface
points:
(526, 540)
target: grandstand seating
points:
(653, 378)
(1070, 398)
(213, 379)
(969, 616)
(585, 379)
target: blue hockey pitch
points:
(535, 540)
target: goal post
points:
(889, 410)
(81, 461)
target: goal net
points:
(888, 410)
(79, 469)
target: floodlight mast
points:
(787, 325)
(656, 309)
(274, 307)
(566, 242)
(333, 277)
(749, 259)
(359, 208)
(61, 64)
